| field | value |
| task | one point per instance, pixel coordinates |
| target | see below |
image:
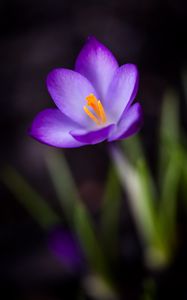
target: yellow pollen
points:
(99, 117)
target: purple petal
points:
(92, 137)
(52, 127)
(129, 124)
(69, 90)
(122, 91)
(97, 64)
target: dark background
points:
(37, 36)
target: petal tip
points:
(91, 38)
(131, 68)
(51, 77)
(130, 125)
(52, 128)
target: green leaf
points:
(132, 147)
(63, 182)
(139, 188)
(184, 177)
(110, 212)
(169, 132)
(138, 184)
(29, 198)
(75, 211)
(170, 162)
(85, 232)
(169, 123)
(96, 288)
(169, 195)
(149, 289)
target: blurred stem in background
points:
(149, 289)
(79, 219)
(110, 214)
(184, 170)
(76, 214)
(29, 198)
(154, 208)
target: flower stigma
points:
(99, 115)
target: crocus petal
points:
(52, 127)
(69, 90)
(97, 64)
(65, 247)
(92, 137)
(122, 91)
(129, 124)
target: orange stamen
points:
(99, 117)
(89, 113)
(101, 112)
(92, 101)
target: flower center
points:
(98, 115)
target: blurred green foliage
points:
(153, 201)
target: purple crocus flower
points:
(65, 247)
(94, 102)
